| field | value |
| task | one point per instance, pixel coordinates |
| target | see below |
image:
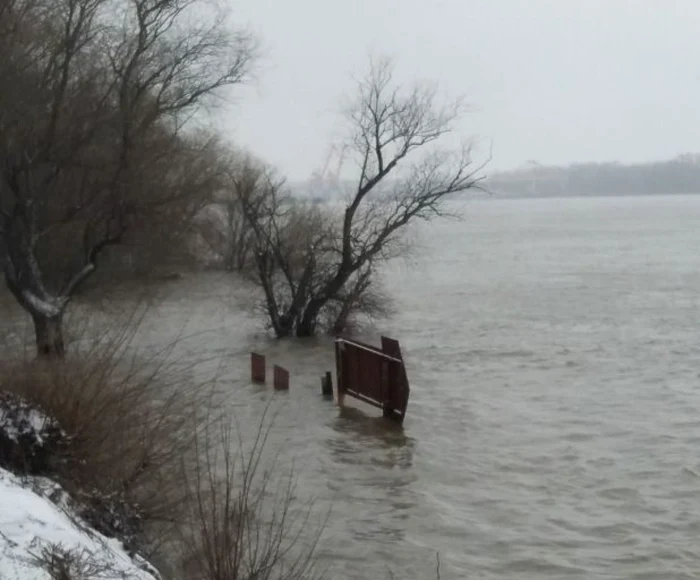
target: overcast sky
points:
(554, 81)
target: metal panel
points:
(257, 367)
(281, 378)
(400, 390)
(375, 376)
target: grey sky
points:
(551, 80)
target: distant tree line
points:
(679, 175)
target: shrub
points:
(129, 425)
(244, 521)
(145, 457)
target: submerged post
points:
(257, 367)
(327, 385)
(339, 371)
(281, 378)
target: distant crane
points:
(326, 181)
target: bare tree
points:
(291, 239)
(222, 225)
(99, 93)
(362, 297)
(395, 133)
(160, 236)
(227, 234)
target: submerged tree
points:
(288, 242)
(313, 265)
(95, 98)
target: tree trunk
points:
(49, 336)
(283, 329)
(309, 321)
(341, 321)
(46, 313)
(306, 328)
(283, 324)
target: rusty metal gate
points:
(375, 376)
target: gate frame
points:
(394, 389)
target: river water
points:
(553, 429)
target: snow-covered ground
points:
(30, 523)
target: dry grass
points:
(63, 564)
(131, 424)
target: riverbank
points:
(120, 463)
(44, 539)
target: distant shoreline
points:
(509, 195)
(680, 175)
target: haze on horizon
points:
(546, 80)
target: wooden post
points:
(281, 378)
(327, 385)
(257, 367)
(339, 370)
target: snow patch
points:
(29, 438)
(30, 523)
(47, 308)
(26, 421)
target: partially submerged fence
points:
(375, 376)
(258, 373)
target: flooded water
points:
(553, 431)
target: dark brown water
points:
(553, 431)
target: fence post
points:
(339, 370)
(257, 367)
(327, 385)
(281, 378)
